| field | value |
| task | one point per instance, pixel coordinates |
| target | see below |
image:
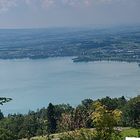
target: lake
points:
(34, 84)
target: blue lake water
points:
(34, 83)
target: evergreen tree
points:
(1, 115)
(6, 135)
(51, 119)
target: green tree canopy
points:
(6, 135)
(51, 117)
(105, 121)
(132, 112)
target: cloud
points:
(6, 4)
(48, 3)
(73, 3)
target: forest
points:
(101, 119)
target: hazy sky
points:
(63, 13)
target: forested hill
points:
(61, 118)
(88, 44)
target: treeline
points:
(63, 117)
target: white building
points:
(132, 138)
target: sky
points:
(68, 13)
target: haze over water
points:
(34, 83)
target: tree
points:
(62, 109)
(4, 100)
(105, 122)
(87, 102)
(66, 122)
(80, 117)
(132, 112)
(6, 135)
(76, 119)
(1, 115)
(131, 115)
(121, 102)
(113, 103)
(12, 123)
(51, 117)
(29, 127)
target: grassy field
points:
(126, 132)
(130, 133)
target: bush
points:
(6, 135)
(82, 134)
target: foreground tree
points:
(29, 127)
(6, 135)
(105, 122)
